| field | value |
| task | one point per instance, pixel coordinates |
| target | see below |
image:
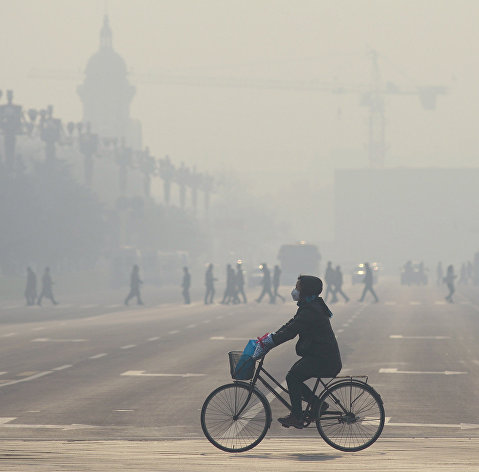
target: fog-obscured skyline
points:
(279, 142)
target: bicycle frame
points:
(260, 369)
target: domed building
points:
(106, 93)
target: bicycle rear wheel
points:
(227, 430)
(354, 418)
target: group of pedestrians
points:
(31, 288)
(334, 283)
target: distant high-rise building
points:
(106, 93)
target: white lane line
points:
(339, 330)
(223, 338)
(122, 411)
(206, 321)
(39, 328)
(63, 367)
(3, 373)
(113, 306)
(8, 335)
(475, 362)
(97, 356)
(394, 370)
(154, 338)
(89, 306)
(48, 340)
(390, 303)
(400, 336)
(439, 302)
(26, 379)
(345, 325)
(142, 373)
(191, 326)
(175, 331)
(128, 346)
(219, 317)
(64, 427)
(434, 425)
(6, 420)
(415, 303)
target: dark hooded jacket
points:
(316, 337)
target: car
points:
(414, 273)
(359, 271)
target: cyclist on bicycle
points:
(317, 345)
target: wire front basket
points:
(242, 366)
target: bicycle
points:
(348, 412)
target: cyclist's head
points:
(309, 285)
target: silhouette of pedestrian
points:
(449, 280)
(439, 273)
(239, 282)
(46, 287)
(276, 282)
(230, 282)
(338, 283)
(186, 285)
(329, 279)
(31, 287)
(368, 283)
(266, 283)
(210, 285)
(135, 283)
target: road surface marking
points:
(415, 303)
(339, 330)
(11, 307)
(89, 306)
(175, 331)
(64, 427)
(206, 321)
(439, 302)
(121, 411)
(394, 370)
(39, 328)
(390, 303)
(8, 335)
(63, 367)
(223, 338)
(475, 362)
(113, 306)
(191, 326)
(345, 325)
(48, 340)
(128, 346)
(433, 425)
(155, 338)
(97, 356)
(33, 411)
(400, 336)
(26, 379)
(219, 317)
(3, 373)
(142, 373)
(6, 420)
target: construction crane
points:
(372, 95)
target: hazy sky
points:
(279, 139)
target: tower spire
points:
(105, 34)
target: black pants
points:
(370, 289)
(304, 369)
(186, 296)
(266, 290)
(209, 295)
(47, 294)
(134, 292)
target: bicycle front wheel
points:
(354, 417)
(233, 423)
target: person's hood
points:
(317, 305)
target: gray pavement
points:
(127, 383)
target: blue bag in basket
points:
(245, 366)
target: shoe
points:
(291, 420)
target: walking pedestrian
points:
(135, 283)
(31, 287)
(276, 283)
(47, 284)
(230, 285)
(186, 285)
(449, 281)
(368, 283)
(266, 283)
(240, 282)
(210, 285)
(329, 279)
(338, 283)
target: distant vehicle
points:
(254, 277)
(297, 259)
(414, 273)
(359, 271)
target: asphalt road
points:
(98, 371)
